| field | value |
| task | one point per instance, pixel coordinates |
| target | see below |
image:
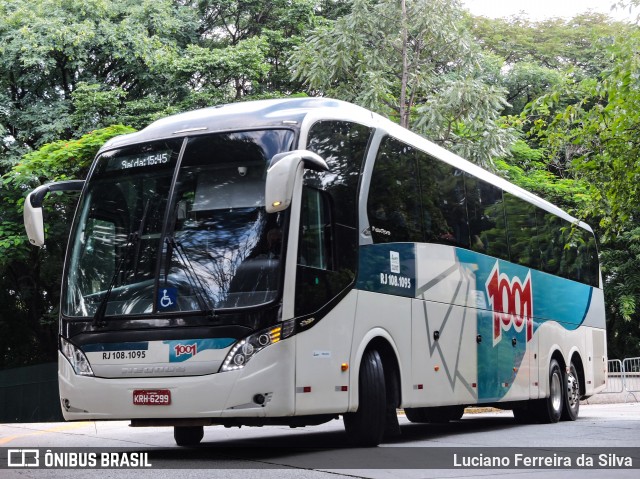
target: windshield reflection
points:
(219, 248)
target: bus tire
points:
(440, 414)
(188, 435)
(366, 426)
(550, 408)
(416, 414)
(525, 414)
(571, 406)
(456, 413)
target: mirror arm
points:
(33, 221)
(311, 160)
(37, 196)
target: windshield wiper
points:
(193, 279)
(98, 318)
(132, 239)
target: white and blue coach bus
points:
(290, 261)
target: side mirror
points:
(282, 173)
(33, 221)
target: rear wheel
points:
(571, 406)
(188, 435)
(366, 426)
(550, 409)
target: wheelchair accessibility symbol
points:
(167, 298)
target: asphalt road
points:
(322, 451)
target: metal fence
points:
(615, 377)
(623, 376)
(631, 370)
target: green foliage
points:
(597, 135)
(554, 44)
(244, 45)
(528, 168)
(68, 68)
(31, 276)
(536, 57)
(620, 260)
(417, 66)
(61, 160)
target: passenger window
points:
(550, 240)
(393, 206)
(444, 203)
(487, 226)
(588, 258)
(523, 240)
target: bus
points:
(287, 262)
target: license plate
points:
(151, 397)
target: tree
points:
(416, 64)
(32, 276)
(242, 47)
(592, 126)
(620, 259)
(535, 57)
(596, 134)
(557, 44)
(68, 68)
(527, 167)
(51, 48)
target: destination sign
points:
(139, 161)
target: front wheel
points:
(439, 414)
(571, 406)
(365, 427)
(188, 435)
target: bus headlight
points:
(244, 350)
(76, 358)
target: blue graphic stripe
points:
(554, 298)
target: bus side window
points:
(315, 230)
(588, 258)
(487, 225)
(443, 202)
(523, 232)
(393, 206)
(550, 241)
(328, 244)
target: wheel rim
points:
(556, 392)
(573, 390)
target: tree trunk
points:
(404, 107)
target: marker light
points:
(76, 358)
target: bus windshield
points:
(149, 239)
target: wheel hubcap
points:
(573, 393)
(556, 392)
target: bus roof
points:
(290, 112)
(234, 116)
